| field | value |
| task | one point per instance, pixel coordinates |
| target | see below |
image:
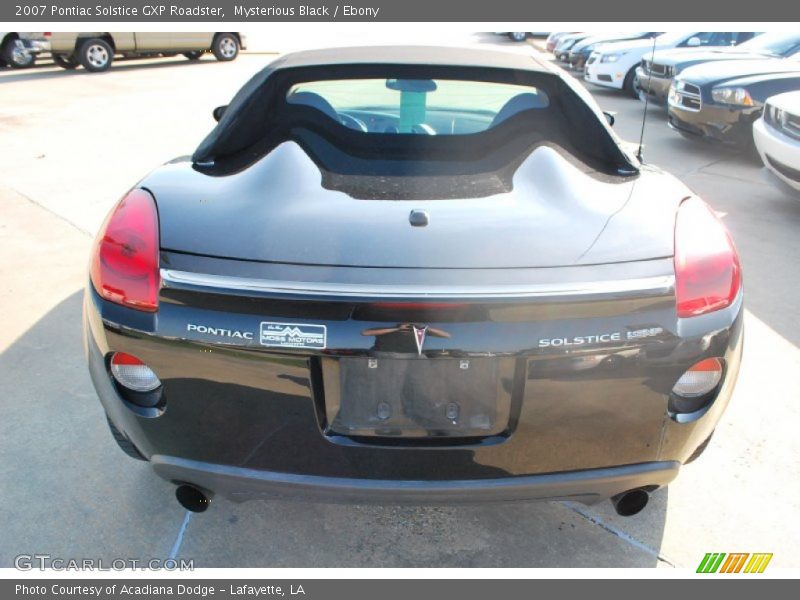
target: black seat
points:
(314, 101)
(519, 103)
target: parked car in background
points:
(554, 38)
(19, 49)
(521, 36)
(95, 51)
(614, 65)
(581, 51)
(566, 43)
(777, 137)
(721, 101)
(654, 76)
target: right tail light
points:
(708, 275)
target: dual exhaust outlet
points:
(626, 504)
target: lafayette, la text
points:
(149, 589)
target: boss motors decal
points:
(293, 335)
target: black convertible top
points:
(258, 118)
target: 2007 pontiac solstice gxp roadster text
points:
(413, 275)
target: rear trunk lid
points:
(554, 214)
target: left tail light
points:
(125, 261)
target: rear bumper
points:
(240, 484)
(245, 420)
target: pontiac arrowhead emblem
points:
(419, 337)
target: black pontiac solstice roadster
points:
(413, 275)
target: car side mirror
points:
(610, 118)
(218, 112)
(693, 41)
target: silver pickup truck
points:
(95, 51)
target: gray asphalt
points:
(74, 143)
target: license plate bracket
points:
(417, 397)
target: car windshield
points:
(778, 44)
(417, 106)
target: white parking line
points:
(176, 547)
(595, 519)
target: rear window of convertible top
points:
(417, 106)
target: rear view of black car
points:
(413, 275)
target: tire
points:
(629, 86)
(194, 54)
(124, 443)
(700, 449)
(15, 58)
(225, 47)
(65, 62)
(96, 55)
(517, 36)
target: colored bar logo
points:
(737, 562)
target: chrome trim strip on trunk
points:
(641, 287)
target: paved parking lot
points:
(73, 143)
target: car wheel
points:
(65, 62)
(518, 36)
(15, 55)
(96, 55)
(700, 449)
(225, 46)
(194, 54)
(629, 85)
(124, 443)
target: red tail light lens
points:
(125, 262)
(707, 271)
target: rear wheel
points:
(124, 443)
(517, 36)
(194, 54)
(96, 55)
(16, 56)
(65, 62)
(225, 47)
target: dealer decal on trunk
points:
(293, 335)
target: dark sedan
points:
(416, 275)
(655, 76)
(721, 101)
